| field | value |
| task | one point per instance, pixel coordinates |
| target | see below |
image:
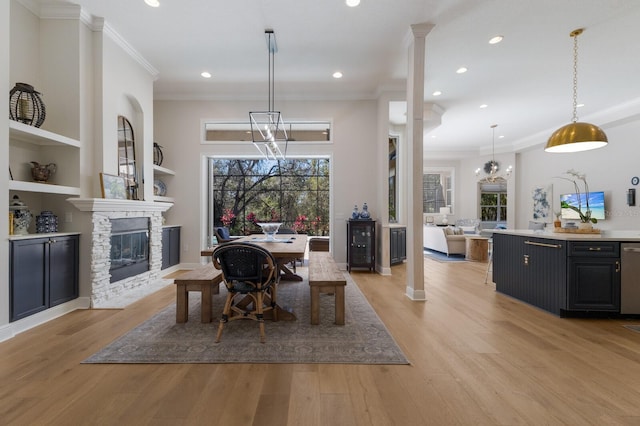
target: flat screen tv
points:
(596, 204)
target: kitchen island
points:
(568, 273)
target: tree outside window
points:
(493, 202)
(245, 192)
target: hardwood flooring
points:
(477, 358)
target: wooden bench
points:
(325, 277)
(206, 280)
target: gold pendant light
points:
(576, 136)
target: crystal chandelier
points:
(268, 133)
(491, 168)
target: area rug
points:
(442, 257)
(362, 340)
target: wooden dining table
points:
(285, 249)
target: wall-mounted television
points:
(596, 205)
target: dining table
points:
(285, 249)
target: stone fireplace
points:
(105, 216)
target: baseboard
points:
(10, 330)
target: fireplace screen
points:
(129, 247)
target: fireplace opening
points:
(129, 247)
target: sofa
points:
(445, 239)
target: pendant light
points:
(492, 167)
(576, 136)
(268, 133)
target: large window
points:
(493, 201)
(295, 192)
(437, 187)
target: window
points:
(292, 191)
(437, 187)
(393, 179)
(493, 201)
(297, 131)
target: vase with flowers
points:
(586, 220)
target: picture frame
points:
(113, 187)
(542, 203)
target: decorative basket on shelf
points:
(26, 106)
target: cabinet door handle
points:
(617, 266)
(595, 248)
(533, 243)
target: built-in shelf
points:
(34, 135)
(163, 171)
(163, 199)
(47, 188)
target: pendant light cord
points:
(575, 35)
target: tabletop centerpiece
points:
(270, 229)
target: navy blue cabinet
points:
(594, 276)
(556, 275)
(170, 246)
(398, 245)
(43, 274)
(531, 269)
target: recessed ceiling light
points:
(437, 93)
(461, 70)
(501, 137)
(579, 105)
(337, 74)
(433, 136)
(152, 3)
(483, 106)
(205, 74)
(496, 39)
(352, 3)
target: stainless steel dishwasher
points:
(630, 279)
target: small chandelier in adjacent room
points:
(576, 136)
(492, 167)
(267, 127)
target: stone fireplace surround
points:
(102, 211)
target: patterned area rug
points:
(362, 340)
(442, 257)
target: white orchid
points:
(576, 176)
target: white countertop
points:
(604, 235)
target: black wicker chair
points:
(250, 274)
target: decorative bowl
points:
(270, 229)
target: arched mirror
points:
(127, 157)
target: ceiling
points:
(525, 81)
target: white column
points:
(415, 129)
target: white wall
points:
(608, 169)
(178, 129)
(5, 87)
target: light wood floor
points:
(477, 358)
